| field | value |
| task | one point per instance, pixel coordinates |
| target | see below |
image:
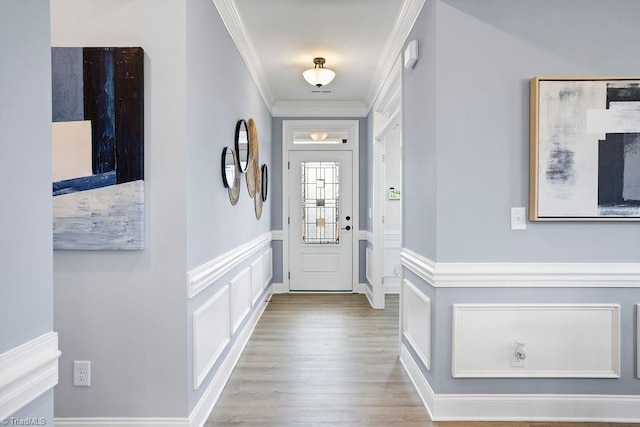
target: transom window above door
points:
(320, 137)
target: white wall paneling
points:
(561, 340)
(638, 340)
(416, 321)
(520, 407)
(392, 248)
(240, 297)
(28, 371)
(369, 267)
(211, 333)
(268, 268)
(206, 274)
(257, 275)
(199, 414)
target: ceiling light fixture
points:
(318, 75)
(318, 136)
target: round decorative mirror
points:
(265, 179)
(242, 144)
(228, 167)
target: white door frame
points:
(387, 111)
(352, 144)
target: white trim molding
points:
(559, 340)
(529, 274)
(203, 408)
(638, 340)
(520, 407)
(319, 109)
(276, 234)
(230, 15)
(27, 372)
(121, 422)
(397, 36)
(206, 274)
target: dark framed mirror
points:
(242, 144)
(228, 167)
(265, 180)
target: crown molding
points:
(319, 109)
(398, 35)
(230, 15)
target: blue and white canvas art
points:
(588, 149)
(98, 148)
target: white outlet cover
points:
(81, 373)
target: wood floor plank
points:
(321, 359)
(329, 360)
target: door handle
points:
(348, 227)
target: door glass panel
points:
(320, 203)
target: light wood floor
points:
(327, 360)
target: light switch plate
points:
(518, 219)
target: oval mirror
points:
(228, 167)
(242, 144)
(265, 179)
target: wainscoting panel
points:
(257, 273)
(559, 340)
(240, 298)
(416, 321)
(638, 340)
(369, 267)
(211, 333)
(27, 372)
(268, 268)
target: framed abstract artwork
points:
(584, 149)
(98, 148)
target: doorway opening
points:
(320, 205)
(383, 266)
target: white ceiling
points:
(278, 39)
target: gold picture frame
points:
(584, 149)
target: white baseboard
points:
(27, 372)
(201, 412)
(278, 288)
(121, 422)
(391, 285)
(521, 407)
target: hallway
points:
(317, 359)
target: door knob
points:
(348, 227)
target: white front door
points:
(321, 229)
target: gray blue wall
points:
(126, 311)
(466, 124)
(26, 260)
(219, 92)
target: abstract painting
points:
(98, 148)
(585, 149)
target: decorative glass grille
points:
(320, 203)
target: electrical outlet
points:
(81, 373)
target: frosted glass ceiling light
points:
(318, 75)
(318, 136)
